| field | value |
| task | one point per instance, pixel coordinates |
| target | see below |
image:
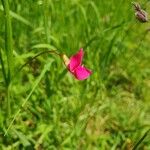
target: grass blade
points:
(18, 17)
(9, 52)
(3, 67)
(141, 140)
(47, 66)
(8, 39)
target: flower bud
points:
(65, 59)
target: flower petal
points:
(76, 60)
(82, 73)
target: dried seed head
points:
(140, 14)
(137, 7)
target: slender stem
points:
(141, 140)
(35, 85)
(46, 67)
(46, 21)
(3, 68)
(8, 100)
(34, 57)
(9, 51)
(137, 48)
(8, 40)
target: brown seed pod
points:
(140, 14)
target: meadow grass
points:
(50, 109)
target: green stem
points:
(8, 100)
(141, 140)
(133, 54)
(9, 51)
(8, 40)
(3, 68)
(39, 54)
(46, 21)
(46, 67)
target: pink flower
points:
(74, 65)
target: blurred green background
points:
(108, 111)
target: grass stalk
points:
(141, 140)
(9, 51)
(46, 67)
(3, 67)
(46, 21)
(8, 100)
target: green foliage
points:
(50, 109)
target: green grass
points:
(50, 109)
(9, 54)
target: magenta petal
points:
(82, 73)
(75, 60)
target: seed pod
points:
(140, 14)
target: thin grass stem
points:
(46, 21)
(8, 40)
(3, 68)
(9, 51)
(46, 67)
(141, 140)
(34, 57)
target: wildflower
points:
(74, 65)
(140, 14)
